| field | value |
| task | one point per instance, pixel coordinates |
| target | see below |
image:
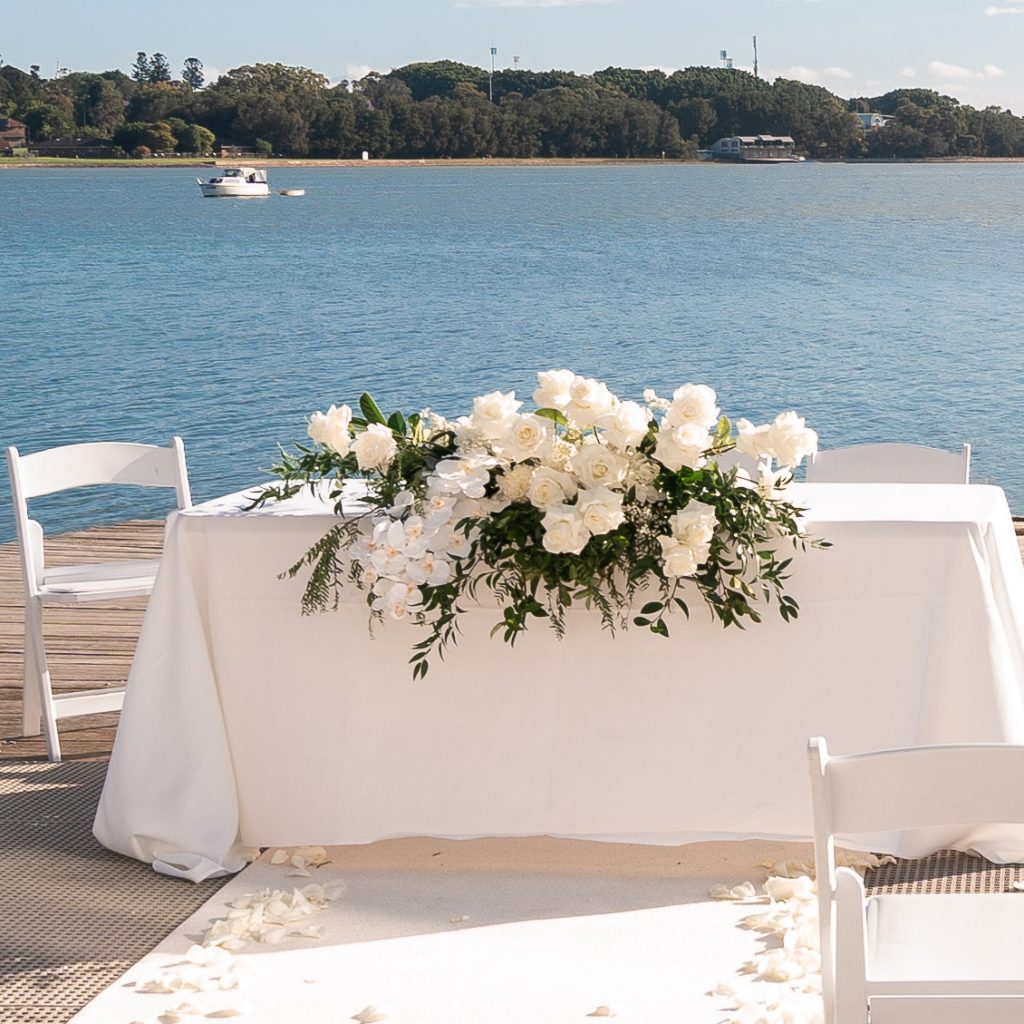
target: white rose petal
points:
(694, 404)
(681, 446)
(589, 400)
(492, 412)
(375, 447)
(600, 509)
(595, 465)
(564, 530)
(525, 437)
(550, 487)
(553, 390)
(790, 440)
(625, 426)
(331, 428)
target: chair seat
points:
(935, 937)
(101, 581)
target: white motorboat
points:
(239, 182)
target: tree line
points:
(443, 109)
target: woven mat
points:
(946, 871)
(73, 916)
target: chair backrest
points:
(890, 464)
(86, 465)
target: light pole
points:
(490, 81)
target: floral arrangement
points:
(587, 499)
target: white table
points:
(247, 724)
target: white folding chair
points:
(921, 958)
(890, 464)
(59, 469)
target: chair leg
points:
(43, 701)
(31, 709)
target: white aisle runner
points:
(491, 931)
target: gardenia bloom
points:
(682, 446)
(525, 437)
(331, 428)
(550, 487)
(375, 447)
(791, 441)
(625, 426)
(564, 530)
(553, 392)
(514, 483)
(600, 509)
(693, 403)
(492, 412)
(589, 400)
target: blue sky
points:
(968, 48)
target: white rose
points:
(331, 428)
(694, 525)
(589, 400)
(549, 487)
(600, 509)
(626, 425)
(677, 559)
(641, 476)
(564, 531)
(753, 441)
(375, 447)
(491, 413)
(693, 403)
(595, 464)
(553, 392)
(791, 441)
(682, 446)
(526, 437)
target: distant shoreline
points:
(23, 163)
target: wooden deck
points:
(88, 647)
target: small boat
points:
(291, 192)
(237, 182)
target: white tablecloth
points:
(247, 724)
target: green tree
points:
(141, 69)
(438, 78)
(159, 68)
(192, 73)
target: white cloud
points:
(354, 72)
(491, 4)
(908, 73)
(993, 11)
(942, 70)
(815, 76)
(938, 67)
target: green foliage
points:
(441, 109)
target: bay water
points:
(883, 302)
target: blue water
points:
(882, 302)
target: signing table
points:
(247, 724)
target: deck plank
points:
(90, 647)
